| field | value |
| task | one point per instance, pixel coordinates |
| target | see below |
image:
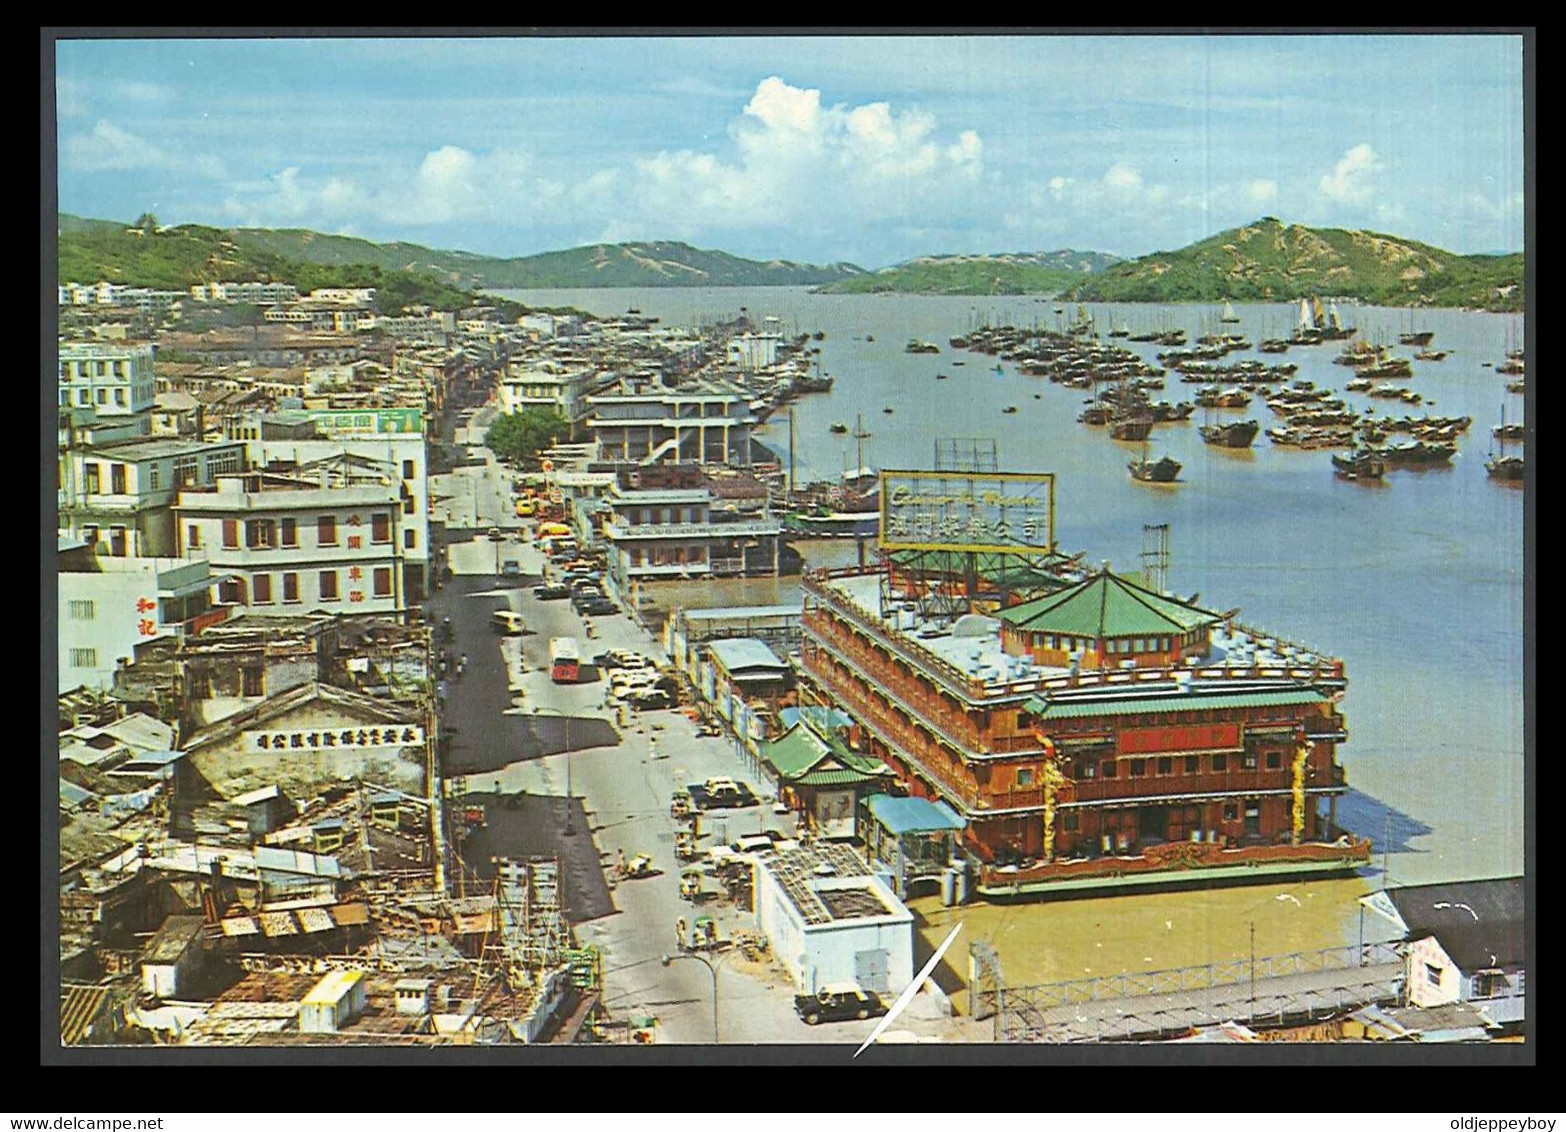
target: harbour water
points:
(1416, 582)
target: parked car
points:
(551, 592)
(496, 534)
(651, 699)
(511, 568)
(601, 607)
(838, 1002)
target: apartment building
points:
(640, 421)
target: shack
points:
(173, 956)
(332, 1003)
(822, 778)
(914, 838)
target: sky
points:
(870, 150)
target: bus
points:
(565, 660)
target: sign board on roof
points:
(368, 422)
(356, 736)
(968, 512)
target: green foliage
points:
(147, 222)
(1023, 273)
(521, 436)
(1270, 261)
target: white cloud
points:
(106, 147)
(70, 98)
(1352, 178)
(142, 92)
(798, 161)
(1260, 192)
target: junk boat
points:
(1163, 470)
(915, 346)
(1236, 434)
(1361, 464)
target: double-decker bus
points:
(565, 660)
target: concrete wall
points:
(1422, 990)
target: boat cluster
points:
(1245, 373)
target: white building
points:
(546, 386)
(752, 352)
(831, 920)
(639, 421)
(107, 386)
(351, 296)
(664, 523)
(119, 496)
(332, 1003)
(108, 606)
(325, 536)
(259, 294)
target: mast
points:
(789, 495)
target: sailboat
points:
(1307, 333)
(1333, 329)
(1500, 466)
(1228, 313)
(1163, 470)
(1415, 337)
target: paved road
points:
(510, 725)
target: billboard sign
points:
(369, 422)
(983, 512)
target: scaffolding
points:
(1155, 557)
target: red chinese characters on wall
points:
(146, 626)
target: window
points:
(186, 471)
(1068, 822)
(1192, 764)
(154, 480)
(407, 505)
(1220, 763)
(1138, 768)
(1231, 812)
(83, 610)
(326, 530)
(288, 531)
(262, 584)
(252, 681)
(409, 537)
(1248, 760)
(231, 593)
(407, 469)
(83, 397)
(1086, 768)
(1024, 776)
(1166, 765)
(117, 544)
(1110, 769)
(1433, 973)
(1274, 760)
(290, 587)
(94, 477)
(380, 527)
(119, 396)
(383, 581)
(328, 585)
(117, 479)
(230, 533)
(193, 537)
(84, 658)
(260, 533)
(103, 396)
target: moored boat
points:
(1505, 467)
(917, 346)
(1131, 428)
(1236, 434)
(1359, 464)
(1163, 470)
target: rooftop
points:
(735, 654)
(1480, 924)
(1107, 606)
(830, 882)
(912, 815)
(173, 938)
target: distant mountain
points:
(1004, 274)
(1270, 260)
(657, 264)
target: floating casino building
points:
(1100, 736)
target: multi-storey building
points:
(119, 497)
(107, 388)
(323, 536)
(108, 606)
(1100, 736)
(638, 421)
(667, 523)
(546, 386)
(259, 294)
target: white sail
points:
(1228, 310)
(1334, 319)
(1306, 321)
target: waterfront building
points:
(639, 421)
(667, 523)
(1100, 736)
(324, 535)
(546, 386)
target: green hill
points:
(177, 257)
(1269, 260)
(659, 264)
(1013, 274)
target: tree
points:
(147, 223)
(521, 436)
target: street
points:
(533, 752)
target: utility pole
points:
(1253, 968)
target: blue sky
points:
(869, 149)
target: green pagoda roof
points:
(1107, 605)
(801, 755)
(1089, 706)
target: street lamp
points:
(713, 971)
(539, 709)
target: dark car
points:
(551, 593)
(838, 1002)
(651, 699)
(600, 607)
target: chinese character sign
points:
(315, 739)
(968, 512)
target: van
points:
(752, 843)
(507, 622)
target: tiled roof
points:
(1107, 606)
(1090, 706)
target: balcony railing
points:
(621, 532)
(815, 584)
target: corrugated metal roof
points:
(736, 653)
(79, 1005)
(275, 924)
(912, 815)
(334, 985)
(240, 926)
(278, 860)
(72, 794)
(1089, 707)
(176, 934)
(315, 920)
(251, 797)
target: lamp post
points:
(713, 971)
(539, 709)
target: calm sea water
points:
(1416, 583)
